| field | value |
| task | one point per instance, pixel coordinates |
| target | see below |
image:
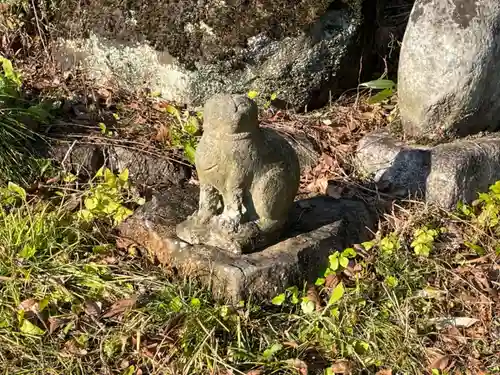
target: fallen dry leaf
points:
(92, 308)
(342, 367)
(384, 372)
(331, 281)
(440, 363)
(299, 365)
(52, 180)
(481, 279)
(71, 349)
(318, 185)
(453, 334)
(459, 322)
(163, 134)
(313, 296)
(119, 307)
(55, 323)
(29, 304)
(328, 160)
(147, 352)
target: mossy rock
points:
(301, 49)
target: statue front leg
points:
(209, 202)
(232, 215)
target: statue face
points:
(227, 114)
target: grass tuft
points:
(17, 163)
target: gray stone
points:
(202, 48)
(319, 227)
(449, 68)
(443, 175)
(248, 175)
(85, 159)
(307, 149)
(393, 163)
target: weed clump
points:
(16, 161)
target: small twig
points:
(359, 81)
(40, 30)
(67, 154)
(372, 190)
(478, 260)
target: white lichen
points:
(133, 67)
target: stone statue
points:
(248, 175)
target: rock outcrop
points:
(189, 50)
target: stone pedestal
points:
(320, 226)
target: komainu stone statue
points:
(248, 175)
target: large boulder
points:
(190, 49)
(449, 68)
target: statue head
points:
(230, 114)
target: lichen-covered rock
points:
(191, 49)
(449, 68)
(249, 178)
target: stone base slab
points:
(322, 225)
(442, 175)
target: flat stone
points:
(449, 68)
(84, 158)
(443, 175)
(321, 226)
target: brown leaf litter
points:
(119, 307)
(336, 130)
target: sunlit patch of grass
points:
(16, 159)
(71, 303)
